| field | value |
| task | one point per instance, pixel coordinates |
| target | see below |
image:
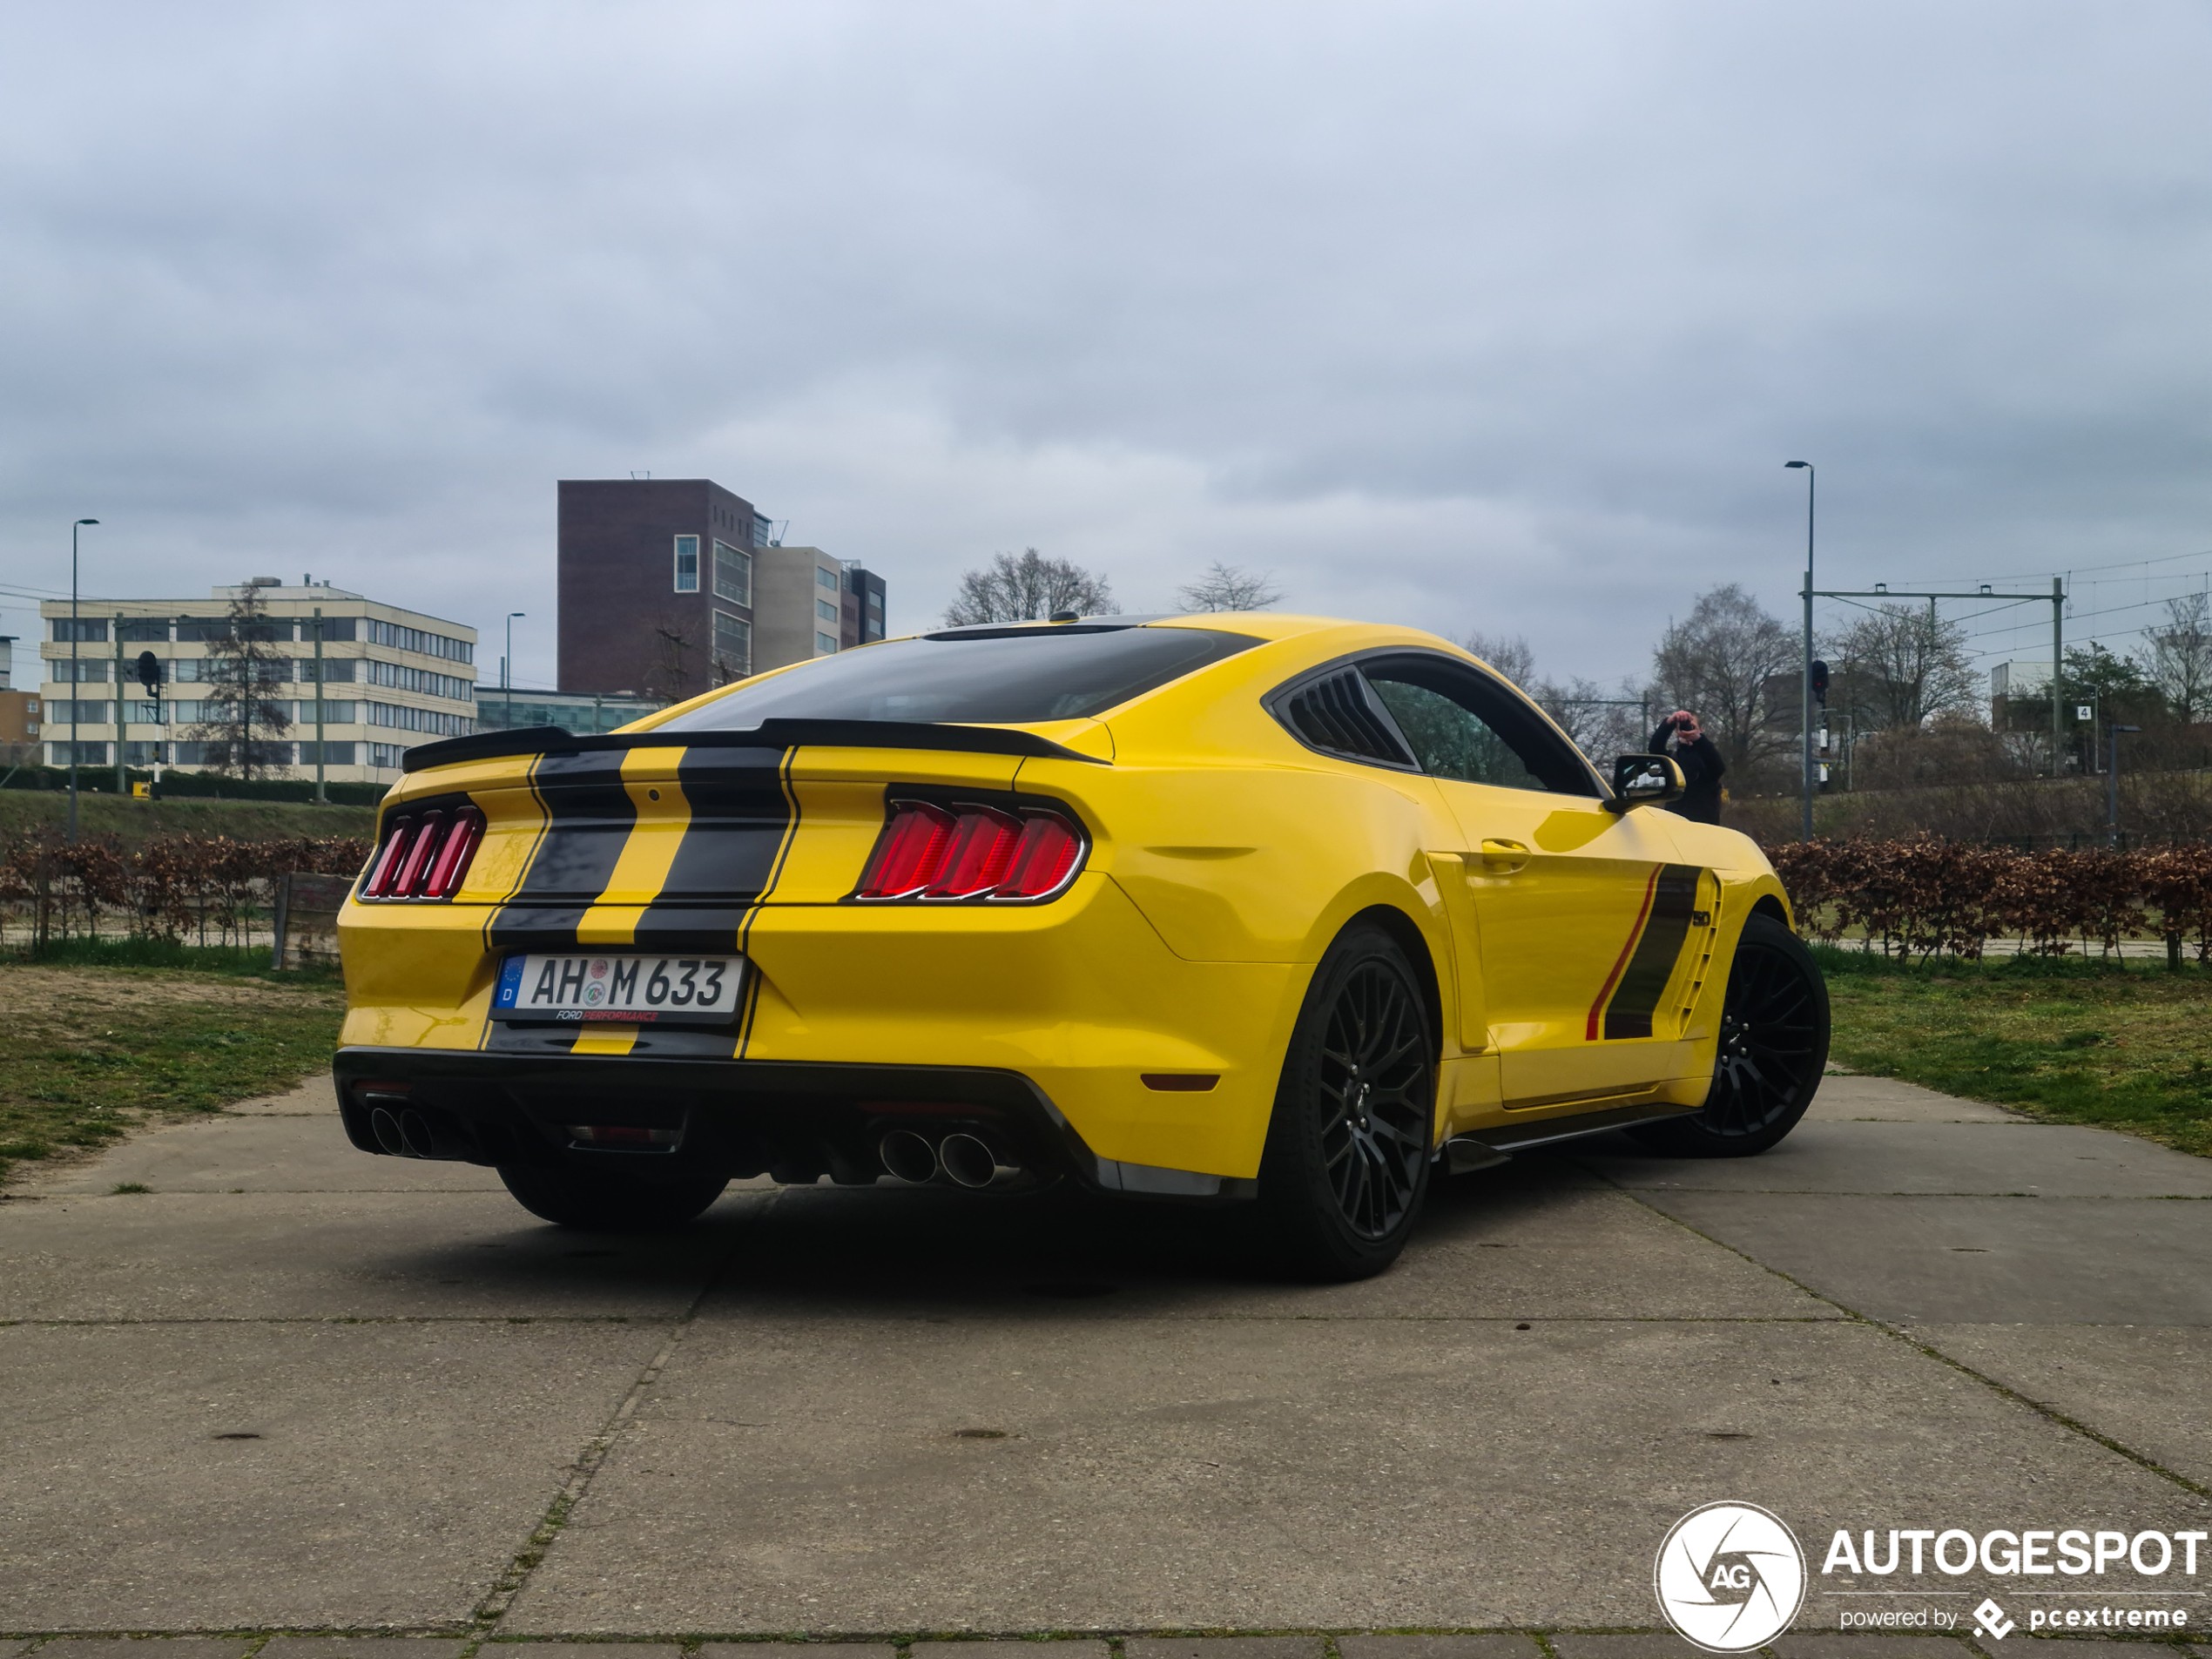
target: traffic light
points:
(149, 668)
(1820, 683)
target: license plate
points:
(625, 988)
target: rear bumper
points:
(797, 1121)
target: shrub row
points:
(166, 887)
(1924, 897)
(194, 786)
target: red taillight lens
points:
(418, 853)
(386, 870)
(1045, 859)
(909, 852)
(452, 862)
(983, 847)
(925, 852)
(424, 858)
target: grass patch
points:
(2119, 1046)
(88, 1053)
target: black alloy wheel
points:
(1348, 1149)
(1773, 1049)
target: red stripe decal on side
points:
(1597, 1009)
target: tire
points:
(1773, 1048)
(1347, 1160)
(610, 1201)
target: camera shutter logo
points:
(1730, 1577)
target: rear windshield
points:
(986, 680)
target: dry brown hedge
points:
(211, 888)
(1926, 897)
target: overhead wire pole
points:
(1811, 480)
(2056, 598)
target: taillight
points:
(408, 882)
(385, 871)
(1046, 857)
(982, 845)
(452, 862)
(424, 858)
(908, 853)
(973, 851)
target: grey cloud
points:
(1470, 315)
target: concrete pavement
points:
(295, 1389)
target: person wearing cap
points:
(1681, 736)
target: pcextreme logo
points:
(1730, 1577)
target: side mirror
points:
(1646, 780)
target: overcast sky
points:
(1474, 316)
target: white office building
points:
(358, 682)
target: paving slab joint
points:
(1897, 1333)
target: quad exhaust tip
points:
(961, 1159)
(968, 1161)
(907, 1156)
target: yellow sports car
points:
(1201, 908)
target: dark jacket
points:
(1702, 767)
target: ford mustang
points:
(1208, 909)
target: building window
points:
(83, 631)
(732, 645)
(875, 604)
(875, 628)
(687, 564)
(732, 574)
(824, 643)
(825, 610)
(825, 578)
(762, 531)
(146, 631)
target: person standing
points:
(1681, 736)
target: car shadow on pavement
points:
(877, 1250)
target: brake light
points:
(452, 862)
(408, 882)
(983, 847)
(1045, 859)
(425, 858)
(973, 851)
(382, 874)
(908, 853)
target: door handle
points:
(1502, 856)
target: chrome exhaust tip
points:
(386, 1128)
(907, 1156)
(969, 1162)
(416, 1136)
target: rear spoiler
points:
(769, 734)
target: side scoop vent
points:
(1340, 715)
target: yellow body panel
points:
(1226, 857)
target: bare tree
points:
(1507, 653)
(1902, 666)
(240, 724)
(1603, 722)
(669, 671)
(1229, 587)
(2178, 656)
(1027, 588)
(1716, 661)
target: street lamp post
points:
(76, 685)
(2112, 785)
(507, 670)
(1810, 481)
